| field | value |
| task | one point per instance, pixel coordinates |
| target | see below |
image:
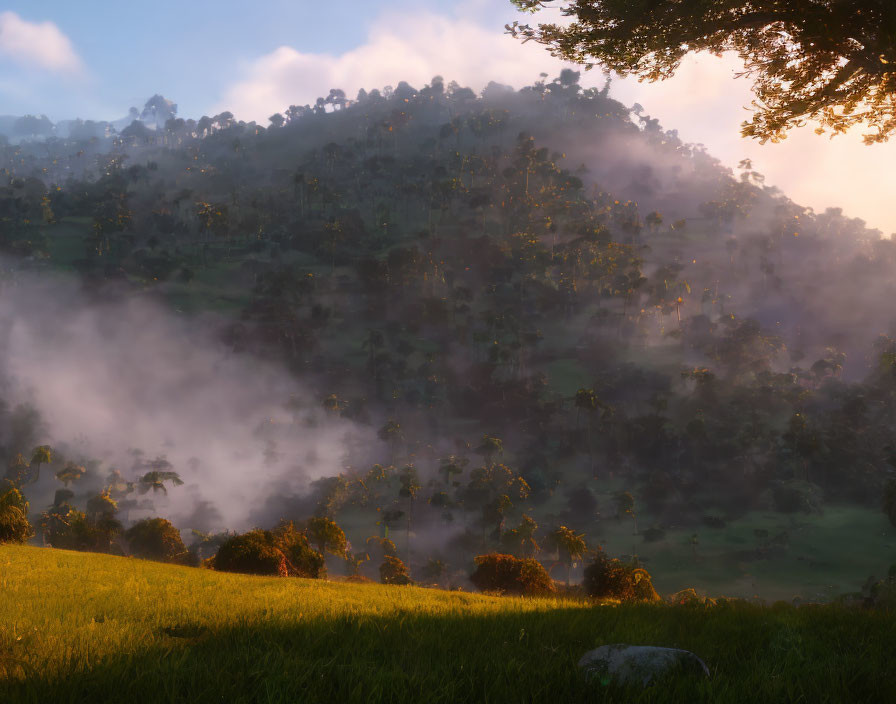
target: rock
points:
(638, 664)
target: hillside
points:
(84, 627)
(432, 315)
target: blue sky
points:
(189, 51)
(91, 59)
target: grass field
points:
(78, 627)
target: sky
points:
(94, 60)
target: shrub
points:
(607, 578)
(254, 552)
(284, 551)
(689, 597)
(394, 571)
(14, 525)
(156, 539)
(511, 575)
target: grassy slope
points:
(80, 627)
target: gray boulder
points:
(638, 664)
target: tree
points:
(434, 570)
(105, 526)
(489, 448)
(254, 552)
(101, 506)
(284, 551)
(586, 400)
(159, 110)
(410, 485)
(889, 503)
(510, 575)
(394, 571)
(70, 473)
(391, 433)
(17, 471)
(156, 539)
(520, 541)
(377, 548)
(569, 545)
(452, 466)
(825, 60)
(326, 535)
(802, 440)
(14, 525)
(42, 454)
(353, 561)
(155, 480)
(625, 504)
(607, 578)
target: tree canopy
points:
(826, 60)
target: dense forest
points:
(525, 322)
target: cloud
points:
(398, 48)
(37, 44)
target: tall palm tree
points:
(156, 479)
(625, 504)
(70, 473)
(889, 503)
(410, 485)
(570, 547)
(42, 454)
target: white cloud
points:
(399, 48)
(37, 44)
(703, 101)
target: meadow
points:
(79, 627)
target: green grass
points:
(827, 554)
(94, 628)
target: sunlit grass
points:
(79, 627)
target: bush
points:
(607, 578)
(14, 525)
(254, 552)
(394, 571)
(156, 539)
(284, 552)
(689, 597)
(511, 575)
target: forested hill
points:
(543, 267)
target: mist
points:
(120, 379)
